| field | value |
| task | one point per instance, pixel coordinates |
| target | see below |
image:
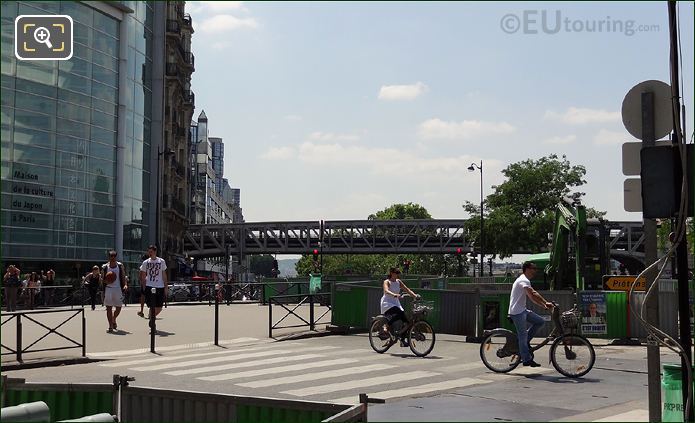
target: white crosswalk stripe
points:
(217, 351)
(362, 383)
(280, 369)
(168, 348)
(316, 375)
(415, 390)
(254, 363)
(217, 360)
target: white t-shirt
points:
(154, 268)
(388, 301)
(517, 300)
(117, 270)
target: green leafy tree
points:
(378, 264)
(262, 265)
(520, 212)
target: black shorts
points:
(395, 313)
(157, 298)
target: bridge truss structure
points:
(430, 236)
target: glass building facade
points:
(60, 133)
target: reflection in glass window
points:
(75, 129)
(74, 83)
(26, 119)
(77, 66)
(35, 103)
(44, 71)
(34, 137)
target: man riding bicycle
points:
(521, 316)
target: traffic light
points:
(315, 254)
(459, 251)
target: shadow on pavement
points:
(561, 379)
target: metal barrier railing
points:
(310, 298)
(20, 349)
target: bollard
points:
(217, 315)
(29, 412)
(19, 337)
(101, 417)
(153, 323)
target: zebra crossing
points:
(310, 369)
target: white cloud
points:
(332, 137)
(580, 116)
(605, 137)
(292, 118)
(568, 139)
(279, 153)
(378, 161)
(402, 92)
(214, 6)
(225, 23)
(468, 129)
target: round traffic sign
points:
(663, 112)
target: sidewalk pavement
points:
(181, 324)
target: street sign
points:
(663, 113)
(631, 157)
(632, 195)
(623, 283)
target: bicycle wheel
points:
(421, 338)
(572, 355)
(499, 351)
(379, 339)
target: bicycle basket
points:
(423, 306)
(569, 320)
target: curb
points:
(48, 363)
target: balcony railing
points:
(189, 97)
(173, 26)
(172, 69)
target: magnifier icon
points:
(41, 35)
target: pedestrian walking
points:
(32, 289)
(154, 280)
(115, 283)
(49, 293)
(92, 281)
(12, 283)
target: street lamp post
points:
(472, 168)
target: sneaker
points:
(110, 330)
(404, 343)
(141, 314)
(531, 364)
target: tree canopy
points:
(520, 212)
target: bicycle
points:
(420, 334)
(571, 354)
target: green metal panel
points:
(64, 404)
(349, 305)
(616, 314)
(266, 414)
(433, 316)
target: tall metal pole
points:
(482, 234)
(682, 248)
(650, 256)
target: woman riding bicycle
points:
(390, 302)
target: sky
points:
(337, 110)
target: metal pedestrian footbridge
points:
(409, 236)
(430, 236)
